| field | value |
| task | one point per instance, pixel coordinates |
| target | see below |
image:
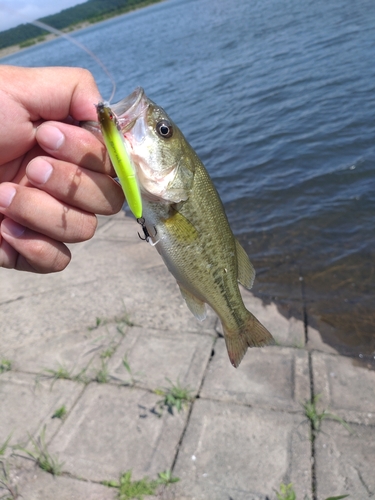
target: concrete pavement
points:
(99, 338)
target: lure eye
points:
(164, 129)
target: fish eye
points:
(164, 129)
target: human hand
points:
(54, 175)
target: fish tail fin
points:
(252, 334)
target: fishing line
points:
(55, 31)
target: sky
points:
(15, 12)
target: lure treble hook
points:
(147, 237)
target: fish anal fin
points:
(253, 334)
(196, 306)
(245, 269)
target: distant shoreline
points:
(13, 49)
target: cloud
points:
(27, 10)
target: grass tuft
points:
(174, 396)
(5, 484)
(316, 418)
(287, 493)
(102, 376)
(5, 365)
(63, 373)
(121, 321)
(4, 446)
(98, 322)
(108, 353)
(127, 367)
(166, 478)
(60, 413)
(41, 455)
(130, 490)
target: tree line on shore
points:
(91, 11)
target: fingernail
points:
(7, 192)
(8, 226)
(39, 171)
(49, 137)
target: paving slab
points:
(113, 429)
(73, 351)
(346, 388)
(27, 405)
(271, 377)
(36, 484)
(344, 461)
(232, 451)
(156, 357)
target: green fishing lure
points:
(120, 159)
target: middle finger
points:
(37, 210)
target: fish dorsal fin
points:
(245, 269)
(196, 306)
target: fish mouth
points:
(129, 109)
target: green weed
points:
(102, 376)
(127, 367)
(287, 493)
(316, 418)
(5, 365)
(108, 353)
(129, 489)
(337, 498)
(166, 478)
(63, 373)
(174, 396)
(126, 364)
(41, 455)
(125, 320)
(60, 413)
(5, 484)
(98, 322)
(60, 373)
(121, 328)
(4, 446)
(121, 321)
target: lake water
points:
(278, 99)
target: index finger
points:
(53, 93)
(74, 144)
(32, 95)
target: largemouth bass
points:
(185, 219)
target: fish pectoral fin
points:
(196, 306)
(180, 228)
(180, 186)
(245, 269)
